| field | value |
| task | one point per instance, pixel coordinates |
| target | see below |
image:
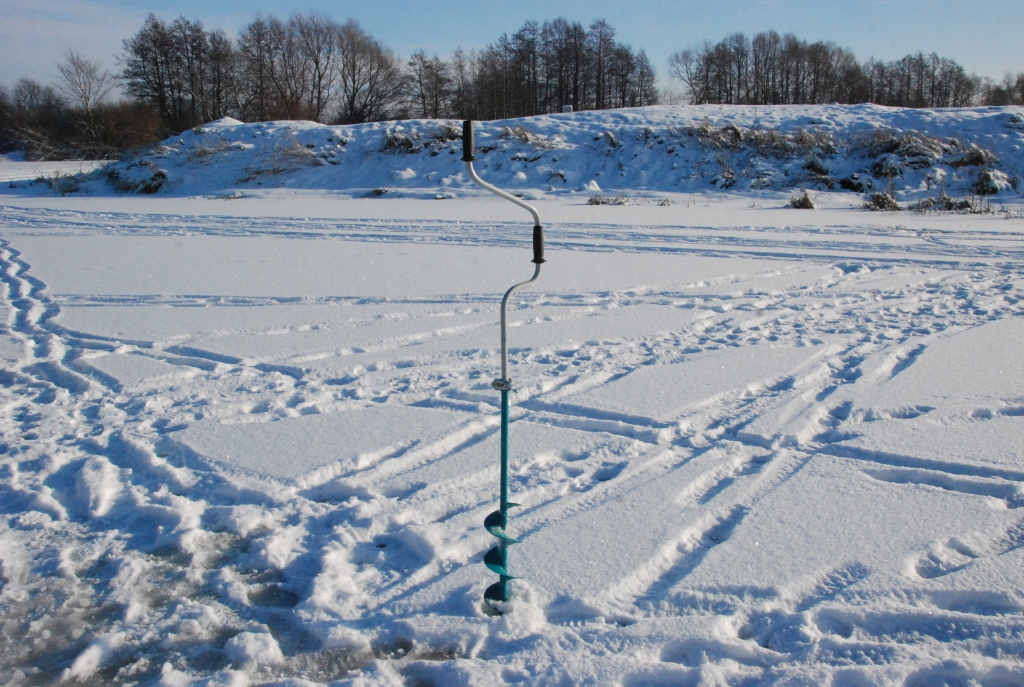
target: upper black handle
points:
(467, 141)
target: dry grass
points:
(535, 140)
(208, 148)
(290, 154)
(607, 200)
(444, 134)
(882, 201)
(770, 143)
(803, 202)
(398, 142)
(944, 203)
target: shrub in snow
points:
(887, 166)
(770, 143)
(944, 202)
(290, 154)
(138, 177)
(881, 201)
(727, 179)
(535, 140)
(208, 148)
(445, 133)
(883, 141)
(605, 200)
(61, 184)
(990, 182)
(854, 183)
(397, 142)
(974, 157)
(802, 202)
(815, 167)
(610, 137)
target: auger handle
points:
(468, 158)
(467, 141)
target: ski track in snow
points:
(882, 244)
(132, 557)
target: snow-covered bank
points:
(857, 148)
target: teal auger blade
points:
(513, 505)
(495, 524)
(493, 593)
(492, 559)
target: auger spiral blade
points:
(495, 523)
(493, 593)
(493, 560)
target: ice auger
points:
(497, 558)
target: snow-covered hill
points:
(689, 149)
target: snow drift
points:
(860, 148)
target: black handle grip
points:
(538, 244)
(467, 141)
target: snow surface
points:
(249, 437)
(13, 167)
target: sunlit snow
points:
(249, 435)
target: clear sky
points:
(987, 37)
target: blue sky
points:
(985, 37)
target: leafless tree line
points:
(311, 67)
(780, 70)
(179, 74)
(1009, 91)
(74, 119)
(537, 70)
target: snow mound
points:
(854, 148)
(253, 647)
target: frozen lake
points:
(253, 441)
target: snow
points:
(253, 647)
(635, 153)
(666, 391)
(348, 442)
(248, 433)
(13, 167)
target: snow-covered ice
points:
(249, 436)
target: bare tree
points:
(288, 69)
(82, 82)
(429, 85)
(6, 120)
(316, 39)
(254, 92)
(774, 70)
(602, 43)
(370, 77)
(645, 87)
(692, 68)
(31, 97)
(167, 65)
(465, 94)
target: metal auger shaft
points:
(497, 558)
